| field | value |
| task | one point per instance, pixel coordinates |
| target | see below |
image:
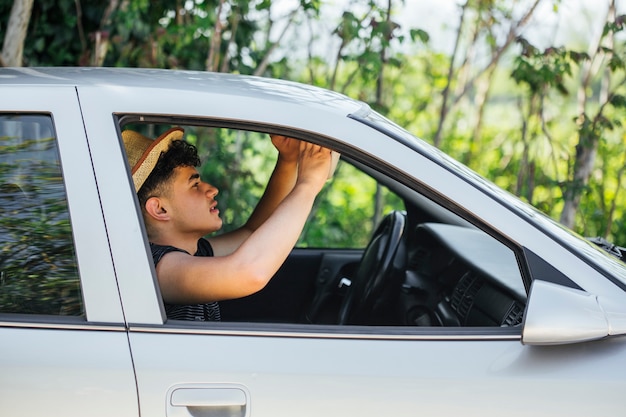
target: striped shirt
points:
(202, 312)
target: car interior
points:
(417, 264)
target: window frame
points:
(381, 171)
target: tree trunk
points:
(443, 113)
(213, 57)
(449, 100)
(583, 166)
(13, 48)
(483, 86)
(587, 146)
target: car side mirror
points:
(559, 315)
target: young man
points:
(179, 209)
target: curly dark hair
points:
(179, 154)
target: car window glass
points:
(239, 163)
(38, 269)
(370, 253)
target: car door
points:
(63, 346)
(277, 369)
(284, 369)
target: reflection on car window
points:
(38, 270)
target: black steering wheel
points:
(375, 268)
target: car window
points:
(240, 162)
(38, 269)
(374, 251)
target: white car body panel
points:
(65, 371)
(315, 376)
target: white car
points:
(465, 302)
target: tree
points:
(596, 113)
(15, 34)
(592, 127)
(479, 21)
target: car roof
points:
(181, 80)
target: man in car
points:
(179, 209)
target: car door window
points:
(38, 269)
(442, 271)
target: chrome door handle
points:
(219, 400)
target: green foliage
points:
(419, 34)
(526, 138)
(543, 70)
(345, 215)
(59, 32)
(547, 72)
(239, 164)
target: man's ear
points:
(155, 209)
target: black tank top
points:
(202, 312)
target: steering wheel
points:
(375, 268)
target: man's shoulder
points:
(158, 251)
(204, 248)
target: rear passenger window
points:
(38, 269)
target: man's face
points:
(191, 203)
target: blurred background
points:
(530, 94)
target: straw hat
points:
(143, 153)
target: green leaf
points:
(419, 34)
(618, 101)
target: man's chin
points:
(217, 226)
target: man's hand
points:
(314, 164)
(288, 148)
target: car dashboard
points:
(459, 276)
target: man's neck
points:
(187, 243)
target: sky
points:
(576, 23)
